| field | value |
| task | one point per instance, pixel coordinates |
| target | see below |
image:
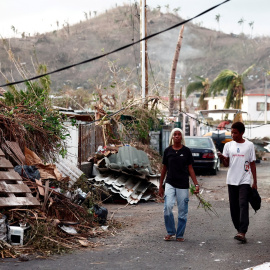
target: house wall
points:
(250, 106)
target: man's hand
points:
(197, 190)
(220, 155)
(254, 186)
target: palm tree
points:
(167, 8)
(251, 24)
(241, 22)
(175, 10)
(202, 85)
(234, 83)
(218, 19)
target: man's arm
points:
(254, 174)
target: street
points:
(209, 240)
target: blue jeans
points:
(182, 198)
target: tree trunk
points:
(173, 71)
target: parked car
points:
(204, 153)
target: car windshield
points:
(198, 142)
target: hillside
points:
(204, 52)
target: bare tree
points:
(173, 71)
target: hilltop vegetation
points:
(204, 53)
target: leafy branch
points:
(207, 206)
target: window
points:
(261, 107)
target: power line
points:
(116, 50)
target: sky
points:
(32, 16)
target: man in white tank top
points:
(239, 156)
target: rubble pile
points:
(44, 212)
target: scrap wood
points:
(60, 243)
(40, 187)
(46, 195)
(7, 251)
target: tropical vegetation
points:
(233, 82)
(202, 85)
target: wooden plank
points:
(9, 175)
(5, 164)
(17, 188)
(19, 201)
(1, 153)
(14, 146)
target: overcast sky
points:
(38, 16)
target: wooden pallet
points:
(13, 192)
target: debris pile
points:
(45, 212)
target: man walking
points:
(239, 156)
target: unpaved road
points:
(209, 240)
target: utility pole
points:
(265, 103)
(143, 46)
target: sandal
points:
(180, 239)
(241, 237)
(169, 237)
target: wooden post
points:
(80, 146)
(143, 46)
(180, 100)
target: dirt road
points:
(209, 240)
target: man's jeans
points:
(182, 198)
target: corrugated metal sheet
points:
(127, 173)
(131, 188)
(67, 168)
(129, 160)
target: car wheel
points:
(214, 171)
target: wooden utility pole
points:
(180, 100)
(143, 46)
